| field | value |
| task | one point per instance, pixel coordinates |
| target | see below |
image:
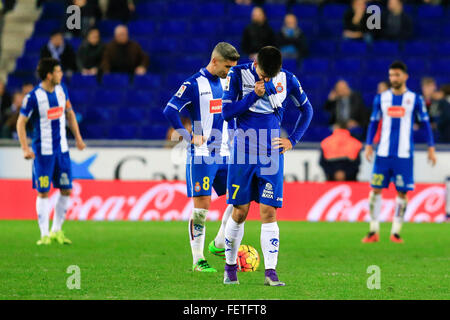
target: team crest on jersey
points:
(55, 113)
(279, 87)
(396, 111)
(197, 187)
(215, 106)
(180, 91)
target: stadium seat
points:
(427, 30)
(141, 28)
(52, 10)
(108, 97)
(206, 28)
(138, 98)
(154, 132)
(239, 11)
(74, 43)
(115, 81)
(417, 48)
(165, 45)
(151, 10)
(315, 66)
(179, 10)
(347, 66)
(305, 11)
(236, 28)
(45, 27)
(442, 48)
(352, 48)
(132, 114)
(334, 11)
(147, 81)
(80, 81)
(275, 10)
(123, 132)
(385, 48)
(417, 66)
(431, 12)
(210, 9)
(156, 116)
(173, 27)
(370, 83)
(311, 82)
(330, 29)
(107, 27)
(94, 131)
(323, 48)
(290, 64)
(377, 66)
(27, 63)
(98, 115)
(309, 28)
(440, 66)
(80, 96)
(35, 44)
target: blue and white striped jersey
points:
(47, 113)
(201, 94)
(397, 114)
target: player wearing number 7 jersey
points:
(208, 151)
(394, 159)
(48, 108)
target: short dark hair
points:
(46, 66)
(399, 65)
(269, 60)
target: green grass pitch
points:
(152, 260)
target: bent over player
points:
(48, 108)
(255, 95)
(207, 158)
(396, 108)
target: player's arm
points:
(300, 99)
(28, 106)
(422, 114)
(373, 126)
(73, 126)
(233, 108)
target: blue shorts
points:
(248, 182)
(397, 170)
(54, 168)
(201, 175)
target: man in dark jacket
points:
(396, 25)
(257, 34)
(90, 53)
(124, 55)
(60, 50)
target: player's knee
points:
(401, 195)
(376, 190)
(202, 202)
(240, 213)
(43, 194)
(66, 192)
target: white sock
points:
(197, 231)
(234, 232)
(43, 212)
(219, 241)
(397, 221)
(375, 209)
(270, 241)
(60, 212)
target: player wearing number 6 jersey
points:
(394, 158)
(48, 109)
(208, 150)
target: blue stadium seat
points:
(98, 115)
(175, 80)
(440, 66)
(427, 30)
(417, 48)
(141, 28)
(165, 45)
(80, 97)
(15, 80)
(347, 66)
(108, 97)
(417, 66)
(35, 44)
(94, 131)
(147, 82)
(115, 81)
(316, 133)
(45, 27)
(369, 84)
(157, 117)
(275, 10)
(27, 63)
(315, 66)
(312, 82)
(353, 48)
(177, 10)
(239, 11)
(190, 64)
(236, 28)
(132, 114)
(330, 29)
(309, 28)
(147, 10)
(442, 48)
(107, 27)
(305, 11)
(206, 28)
(80, 81)
(385, 48)
(138, 98)
(323, 48)
(123, 132)
(334, 11)
(154, 132)
(74, 43)
(211, 10)
(290, 64)
(377, 66)
(52, 10)
(174, 27)
(431, 12)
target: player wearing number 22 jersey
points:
(396, 108)
(255, 98)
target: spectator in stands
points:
(5, 101)
(443, 121)
(90, 53)
(11, 115)
(257, 34)
(90, 14)
(431, 98)
(121, 10)
(346, 106)
(291, 40)
(340, 156)
(60, 50)
(26, 88)
(124, 55)
(355, 21)
(396, 25)
(382, 86)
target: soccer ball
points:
(248, 258)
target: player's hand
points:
(28, 154)
(432, 156)
(198, 140)
(368, 153)
(259, 88)
(284, 143)
(80, 144)
(140, 70)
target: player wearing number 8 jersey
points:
(208, 150)
(48, 108)
(394, 157)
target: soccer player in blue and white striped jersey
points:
(208, 149)
(48, 108)
(394, 157)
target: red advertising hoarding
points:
(164, 200)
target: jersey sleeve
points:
(232, 87)
(421, 109)
(295, 91)
(374, 120)
(29, 105)
(66, 93)
(183, 97)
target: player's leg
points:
(404, 182)
(234, 232)
(381, 175)
(42, 171)
(62, 179)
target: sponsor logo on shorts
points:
(268, 191)
(399, 181)
(55, 113)
(279, 199)
(64, 179)
(215, 106)
(396, 111)
(197, 187)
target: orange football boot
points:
(396, 238)
(371, 237)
